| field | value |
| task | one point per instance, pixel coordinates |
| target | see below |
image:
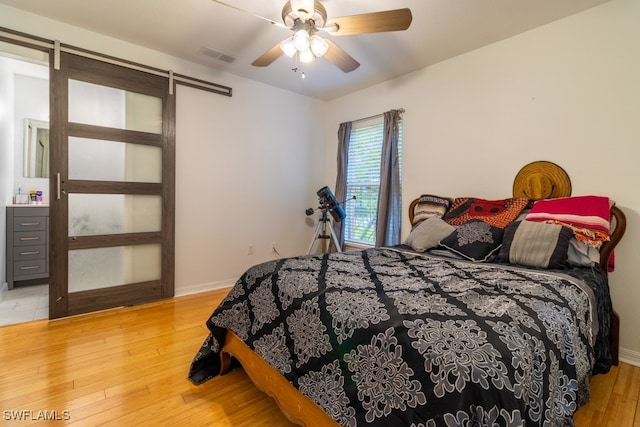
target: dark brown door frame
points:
(61, 302)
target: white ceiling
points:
(440, 29)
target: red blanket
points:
(587, 216)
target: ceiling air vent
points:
(211, 53)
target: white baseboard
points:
(204, 287)
(629, 356)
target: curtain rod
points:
(400, 110)
(54, 47)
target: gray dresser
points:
(27, 243)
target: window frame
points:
(351, 207)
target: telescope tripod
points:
(321, 232)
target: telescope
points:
(328, 204)
(328, 201)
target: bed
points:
(439, 333)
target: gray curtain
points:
(344, 135)
(389, 197)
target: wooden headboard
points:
(619, 225)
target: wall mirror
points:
(36, 148)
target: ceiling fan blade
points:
(268, 57)
(271, 21)
(340, 58)
(376, 22)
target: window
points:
(363, 180)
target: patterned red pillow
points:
(499, 213)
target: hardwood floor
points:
(129, 366)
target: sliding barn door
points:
(112, 187)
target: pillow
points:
(475, 240)
(535, 244)
(498, 213)
(428, 234)
(429, 206)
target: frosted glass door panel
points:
(93, 214)
(99, 160)
(105, 106)
(109, 267)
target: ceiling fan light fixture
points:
(306, 56)
(318, 45)
(306, 17)
(301, 40)
(288, 47)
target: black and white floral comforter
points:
(394, 338)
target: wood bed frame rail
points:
(297, 407)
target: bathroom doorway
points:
(24, 83)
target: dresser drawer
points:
(24, 268)
(22, 253)
(29, 223)
(30, 210)
(29, 238)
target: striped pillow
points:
(535, 244)
(429, 206)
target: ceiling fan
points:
(307, 17)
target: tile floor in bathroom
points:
(24, 304)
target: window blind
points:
(363, 180)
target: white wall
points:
(246, 167)
(568, 92)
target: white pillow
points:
(428, 234)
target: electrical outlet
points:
(250, 249)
